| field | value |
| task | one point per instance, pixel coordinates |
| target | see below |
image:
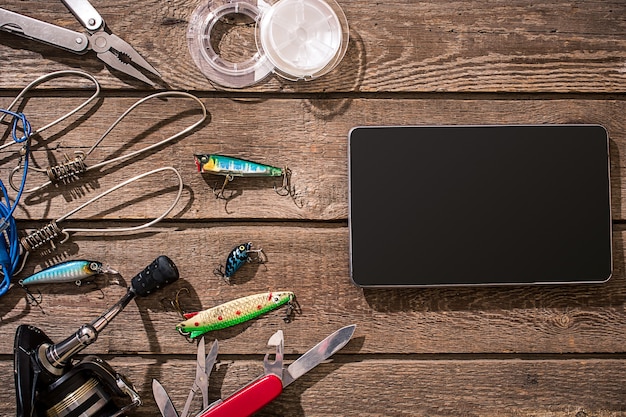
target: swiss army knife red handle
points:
(249, 399)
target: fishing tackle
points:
(236, 258)
(233, 312)
(9, 241)
(52, 231)
(72, 168)
(71, 271)
(231, 167)
(49, 381)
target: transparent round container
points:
(211, 64)
(303, 39)
(296, 39)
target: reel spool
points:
(88, 389)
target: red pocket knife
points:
(260, 392)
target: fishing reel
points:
(47, 383)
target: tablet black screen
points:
(467, 205)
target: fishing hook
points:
(32, 300)
(71, 169)
(285, 189)
(293, 308)
(52, 231)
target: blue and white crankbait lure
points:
(236, 258)
(70, 271)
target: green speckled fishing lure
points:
(233, 312)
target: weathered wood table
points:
(507, 351)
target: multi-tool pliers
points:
(109, 48)
(261, 391)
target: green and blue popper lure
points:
(231, 167)
(234, 312)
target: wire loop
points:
(48, 77)
(72, 168)
(10, 248)
(52, 231)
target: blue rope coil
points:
(9, 241)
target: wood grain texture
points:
(310, 136)
(399, 386)
(550, 351)
(395, 46)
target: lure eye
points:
(242, 248)
(93, 266)
(276, 298)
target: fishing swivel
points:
(73, 167)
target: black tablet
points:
(479, 205)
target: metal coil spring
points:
(67, 171)
(46, 234)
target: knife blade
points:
(260, 392)
(318, 353)
(163, 401)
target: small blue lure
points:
(236, 258)
(70, 271)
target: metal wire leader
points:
(10, 250)
(72, 168)
(43, 79)
(52, 232)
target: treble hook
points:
(175, 303)
(32, 300)
(48, 77)
(52, 232)
(285, 189)
(293, 307)
(72, 168)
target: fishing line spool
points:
(295, 39)
(48, 384)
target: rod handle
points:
(161, 272)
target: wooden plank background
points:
(497, 351)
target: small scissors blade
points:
(204, 365)
(210, 362)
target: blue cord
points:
(9, 240)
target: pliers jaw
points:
(118, 54)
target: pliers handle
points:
(109, 48)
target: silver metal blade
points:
(209, 362)
(163, 400)
(48, 33)
(86, 14)
(320, 352)
(200, 377)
